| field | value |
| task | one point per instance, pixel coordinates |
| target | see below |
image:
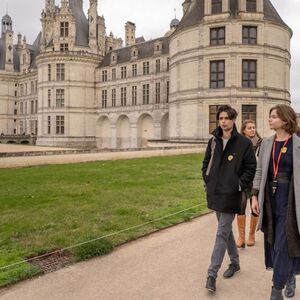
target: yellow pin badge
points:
(230, 157)
(283, 150)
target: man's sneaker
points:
(290, 287)
(211, 284)
(232, 269)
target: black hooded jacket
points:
(232, 171)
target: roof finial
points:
(175, 12)
(7, 8)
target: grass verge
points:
(56, 206)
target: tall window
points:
(249, 35)
(123, 96)
(123, 72)
(213, 121)
(49, 98)
(104, 98)
(36, 106)
(104, 75)
(157, 92)
(64, 29)
(216, 6)
(49, 72)
(157, 66)
(60, 72)
(32, 107)
(113, 74)
(249, 112)
(49, 125)
(113, 97)
(168, 64)
(60, 124)
(36, 127)
(60, 98)
(21, 127)
(168, 91)
(249, 74)
(134, 95)
(21, 89)
(217, 36)
(146, 88)
(32, 87)
(134, 70)
(21, 108)
(146, 68)
(251, 5)
(64, 47)
(217, 74)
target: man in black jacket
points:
(228, 168)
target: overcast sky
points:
(152, 19)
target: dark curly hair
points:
(231, 112)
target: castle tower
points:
(50, 6)
(130, 29)
(93, 18)
(6, 24)
(101, 35)
(7, 33)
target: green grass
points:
(45, 208)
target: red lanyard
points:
(276, 166)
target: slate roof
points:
(82, 24)
(145, 50)
(195, 14)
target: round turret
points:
(174, 23)
(6, 23)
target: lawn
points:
(46, 208)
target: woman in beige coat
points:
(276, 199)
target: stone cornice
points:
(79, 56)
(260, 50)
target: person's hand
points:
(255, 205)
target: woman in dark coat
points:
(276, 198)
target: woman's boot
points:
(253, 223)
(241, 221)
(276, 294)
(290, 287)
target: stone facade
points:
(77, 86)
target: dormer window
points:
(157, 46)
(216, 7)
(251, 5)
(134, 52)
(113, 58)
